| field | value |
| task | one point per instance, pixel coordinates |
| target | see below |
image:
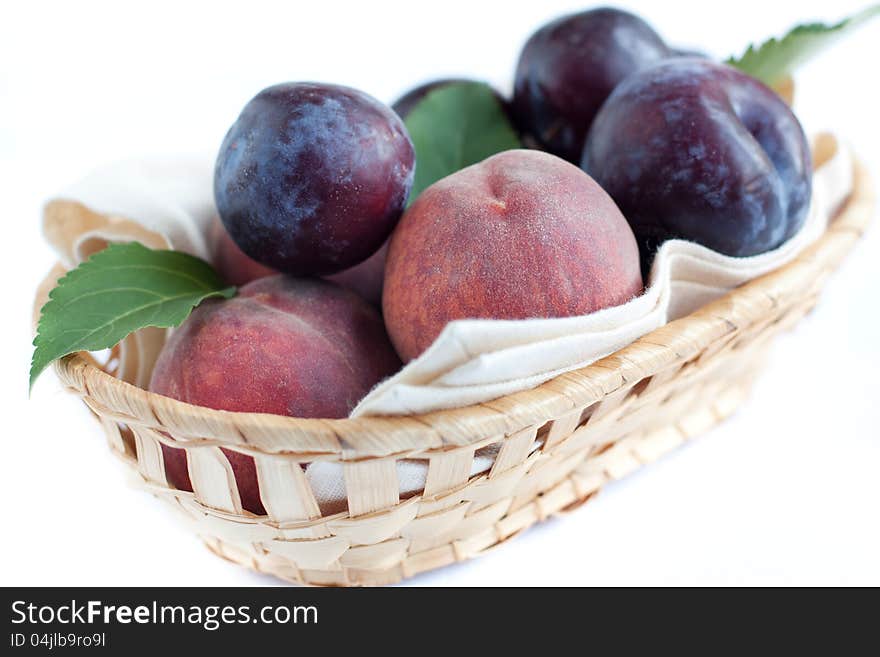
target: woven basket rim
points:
(352, 438)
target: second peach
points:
(522, 234)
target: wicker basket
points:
(593, 425)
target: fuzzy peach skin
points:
(299, 347)
(237, 268)
(522, 234)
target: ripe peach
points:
(522, 234)
(299, 347)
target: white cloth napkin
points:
(165, 202)
(162, 202)
(168, 203)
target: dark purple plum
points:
(405, 104)
(312, 178)
(700, 151)
(569, 67)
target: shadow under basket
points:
(592, 426)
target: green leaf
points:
(119, 290)
(775, 59)
(455, 126)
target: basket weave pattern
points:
(590, 426)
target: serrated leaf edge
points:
(805, 28)
(226, 293)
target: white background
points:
(786, 492)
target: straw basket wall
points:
(592, 426)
